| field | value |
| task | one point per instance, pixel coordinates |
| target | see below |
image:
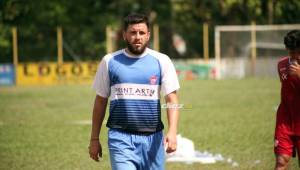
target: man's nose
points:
(137, 35)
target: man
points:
(133, 79)
(287, 132)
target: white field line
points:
(82, 122)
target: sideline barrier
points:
(7, 75)
(51, 73)
(195, 71)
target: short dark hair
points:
(135, 19)
(292, 40)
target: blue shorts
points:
(136, 152)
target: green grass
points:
(233, 117)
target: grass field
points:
(39, 129)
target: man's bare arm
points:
(99, 109)
(173, 116)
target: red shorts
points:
(287, 145)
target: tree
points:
(84, 21)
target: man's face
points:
(137, 37)
(295, 55)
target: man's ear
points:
(149, 35)
(124, 35)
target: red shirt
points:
(288, 113)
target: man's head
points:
(136, 33)
(292, 44)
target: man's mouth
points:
(137, 45)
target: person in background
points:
(287, 131)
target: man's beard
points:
(136, 51)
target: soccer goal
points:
(249, 50)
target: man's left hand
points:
(170, 142)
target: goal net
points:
(250, 50)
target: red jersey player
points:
(287, 132)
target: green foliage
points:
(287, 11)
(5, 44)
(84, 22)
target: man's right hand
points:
(95, 150)
(294, 69)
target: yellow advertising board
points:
(53, 73)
